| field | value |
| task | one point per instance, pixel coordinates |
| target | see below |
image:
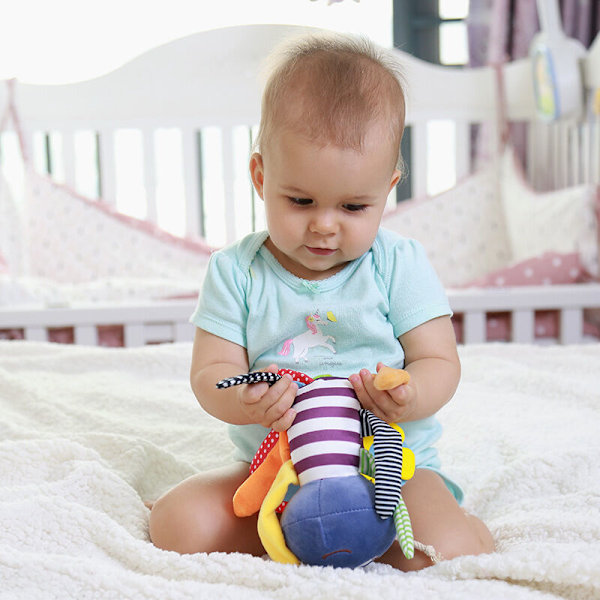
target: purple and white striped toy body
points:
(325, 438)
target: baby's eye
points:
(355, 207)
(300, 201)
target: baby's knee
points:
(472, 539)
(483, 541)
(160, 526)
(171, 525)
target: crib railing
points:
(563, 154)
(522, 303)
(156, 322)
(139, 324)
(184, 176)
(203, 175)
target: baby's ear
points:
(257, 173)
(396, 176)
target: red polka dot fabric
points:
(273, 436)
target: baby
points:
(324, 290)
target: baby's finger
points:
(361, 393)
(386, 410)
(279, 399)
(285, 422)
(394, 404)
(387, 405)
(255, 392)
(367, 379)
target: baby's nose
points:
(324, 222)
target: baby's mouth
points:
(320, 251)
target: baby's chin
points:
(315, 272)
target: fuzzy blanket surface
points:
(88, 434)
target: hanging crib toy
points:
(557, 77)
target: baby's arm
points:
(213, 359)
(432, 360)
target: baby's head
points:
(333, 90)
(327, 152)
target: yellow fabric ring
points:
(408, 463)
(269, 529)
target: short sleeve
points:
(416, 293)
(222, 308)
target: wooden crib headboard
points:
(210, 82)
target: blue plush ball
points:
(333, 522)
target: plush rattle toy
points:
(349, 466)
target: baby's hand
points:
(391, 405)
(269, 406)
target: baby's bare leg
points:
(197, 515)
(438, 522)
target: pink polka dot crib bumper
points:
(492, 230)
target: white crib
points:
(210, 81)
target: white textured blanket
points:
(86, 435)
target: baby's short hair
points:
(331, 88)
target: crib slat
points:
(571, 326)
(541, 155)
(133, 335)
(474, 327)
(184, 332)
(36, 334)
(549, 158)
(158, 332)
(575, 154)
(523, 326)
(149, 166)
(462, 149)
(564, 161)
(586, 153)
(108, 179)
(419, 166)
(86, 335)
(191, 182)
(556, 157)
(550, 178)
(68, 157)
(34, 144)
(595, 151)
(227, 153)
(531, 154)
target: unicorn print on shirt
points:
(311, 338)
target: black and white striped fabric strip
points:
(257, 377)
(387, 448)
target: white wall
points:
(56, 41)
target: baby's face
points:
(323, 204)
